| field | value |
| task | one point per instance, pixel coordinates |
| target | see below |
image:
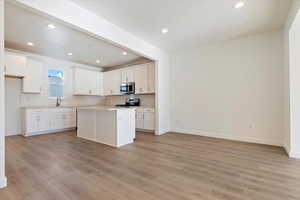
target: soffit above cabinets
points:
(23, 26)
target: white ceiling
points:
(22, 26)
(190, 22)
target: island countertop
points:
(107, 108)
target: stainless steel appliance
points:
(127, 88)
(130, 101)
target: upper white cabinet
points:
(112, 82)
(143, 75)
(151, 77)
(32, 81)
(87, 82)
(127, 75)
(141, 80)
(15, 64)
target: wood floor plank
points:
(173, 166)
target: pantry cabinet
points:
(87, 82)
(15, 64)
(39, 121)
(32, 82)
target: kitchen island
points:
(107, 125)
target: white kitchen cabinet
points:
(151, 77)
(141, 79)
(87, 82)
(149, 119)
(139, 119)
(127, 75)
(32, 82)
(39, 121)
(112, 82)
(15, 64)
(145, 119)
(143, 75)
(113, 127)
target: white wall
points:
(292, 83)
(2, 99)
(12, 106)
(230, 90)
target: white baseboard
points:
(294, 154)
(229, 137)
(48, 132)
(3, 182)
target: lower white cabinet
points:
(39, 121)
(145, 119)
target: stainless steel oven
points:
(127, 88)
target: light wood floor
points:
(169, 167)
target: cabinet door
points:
(149, 120)
(151, 77)
(31, 122)
(69, 119)
(15, 65)
(107, 83)
(141, 79)
(32, 81)
(116, 76)
(80, 82)
(98, 84)
(87, 82)
(139, 119)
(44, 124)
(127, 75)
(112, 82)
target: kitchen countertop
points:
(108, 108)
(86, 107)
(50, 106)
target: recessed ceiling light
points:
(30, 44)
(70, 54)
(124, 53)
(51, 26)
(239, 4)
(98, 61)
(164, 31)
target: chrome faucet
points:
(58, 101)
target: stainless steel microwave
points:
(127, 88)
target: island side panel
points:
(86, 122)
(125, 126)
(106, 130)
